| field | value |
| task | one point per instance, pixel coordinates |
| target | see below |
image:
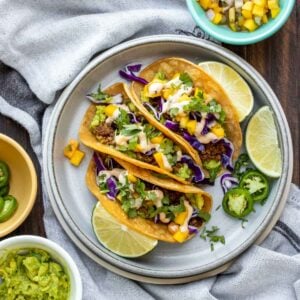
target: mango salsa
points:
(241, 15)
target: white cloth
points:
(49, 42)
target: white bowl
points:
(56, 252)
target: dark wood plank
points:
(34, 222)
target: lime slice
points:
(234, 85)
(262, 143)
(119, 238)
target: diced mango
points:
(217, 18)
(110, 109)
(167, 93)
(138, 148)
(184, 97)
(191, 126)
(218, 130)
(131, 178)
(275, 12)
(157, 140)
(159, 159)
(258, 10)
(70, 149)
(261, 3)
(204, 3)
(180, 217)
(273, 4)
(77, 157)
(183, 121)
(250, 25)
(247, 14)
(248, 6)
(180, 236)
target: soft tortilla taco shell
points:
(173, 65)
(146, 227)
(88, 139)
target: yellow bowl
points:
(23, 182)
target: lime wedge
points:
(119, 238)
(234, 85)
(262, 143)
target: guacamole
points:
(32, 274)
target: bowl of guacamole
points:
(36, 268)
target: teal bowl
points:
(224, 34)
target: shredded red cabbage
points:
(195, 116)
(156, 219)
(198, 174)
(226, 158)
(193, 141)
(172, 125)
(210, 118)
(150, 152)
(129, 71)
(112, 186)
(192, 229)
(133, 118)
(99, 163)
(160, 104)
(155, 112)
(228, 182)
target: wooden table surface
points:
(277, 59)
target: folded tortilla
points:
(89, 139)
(147, 227)
(172, 66)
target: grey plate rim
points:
(287, 145)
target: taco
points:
(159, 208)
(181, 99)
(116, 127)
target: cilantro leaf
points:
(204, 215)
(123, 119)
(186, 79)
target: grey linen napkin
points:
(48, 43)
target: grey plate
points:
(73, 203)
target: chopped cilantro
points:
(211, 235)
(132, 213)
(151, 196)
(140, 189)
(151, 131)
(177, 208)
(204, 215)
(186, 79)
(123, 119)
(173, 112)
(133, 143)
(160, 75)
(167, 146)
(100, 95)
(130, 129)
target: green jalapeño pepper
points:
(4, 174)
(4, 190)
(238, 203)
(9, 208)
(257, 185)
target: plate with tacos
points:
(167, 157)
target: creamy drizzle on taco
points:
(182, 213)
(116, 123)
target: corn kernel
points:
(204, 3)
(157, 139)
(273, 4)
(110, 109)
(218, 130)
(180, 236)
(77, 157)
(247, 14)
(180, 217)
(265, 19)
(191, 126)
(217, 19)
(258, 10)
(250, 24)
(261, 3)
(275, 12)
(248, 6)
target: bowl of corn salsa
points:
(240, 22)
